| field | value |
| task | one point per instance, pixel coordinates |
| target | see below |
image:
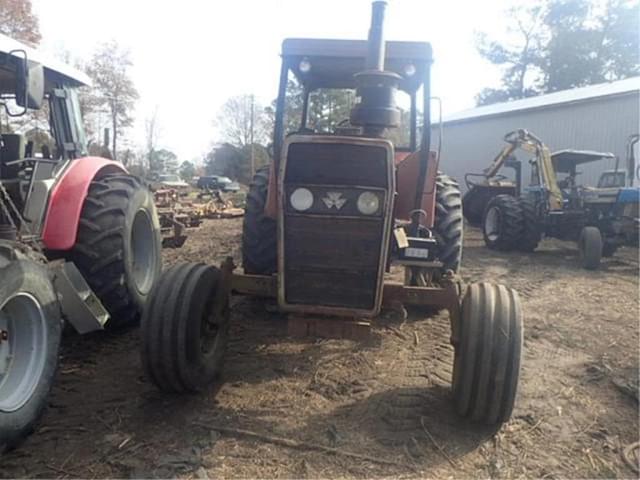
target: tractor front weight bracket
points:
(446, 295)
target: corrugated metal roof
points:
(556, 98)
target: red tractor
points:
(345, 201)
(79, 236)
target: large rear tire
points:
(590, 247)
(185, 328)
(503, 223)
(259, 242)
(30, 330)
(488, 348)
(472, 211)
(448, 226)
(118, 248)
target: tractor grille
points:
(333, 256)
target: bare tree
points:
(89, 100)
(18, 21)
(109, 68)
(152, 131)
(242, 120)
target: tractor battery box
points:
(420, 249)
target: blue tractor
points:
(554, 204)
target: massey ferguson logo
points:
(334, 199)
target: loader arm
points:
(515, 139)
(499, 161)
(549, 179)
(531, 143)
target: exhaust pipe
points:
(375, 55)
(375, 107)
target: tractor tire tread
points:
(448, 225)
(259, 242)
(531, 235)
(487, 358)
(99, 248)
(181, 296)
(512, 227)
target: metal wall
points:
(601, 124)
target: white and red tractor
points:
(79, 236)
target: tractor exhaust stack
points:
(375, 107)
(375, 55)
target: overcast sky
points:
(191, 55)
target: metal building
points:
(598, 117)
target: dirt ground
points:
(384, 405)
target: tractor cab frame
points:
(333, 64)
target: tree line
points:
(546, 46)
(561, 44)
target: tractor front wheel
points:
(185, 328)
(502, 223)
(590, 247)
(118, 248)
(30, 331)
(488, 345)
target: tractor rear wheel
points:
(448, 222)
(530, 229)
(503, 223)
(118, 248)
(488, 346)
(590, 247)
(259, 242)
(185, 328)
(30, 331)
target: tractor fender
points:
(67, 198)
(407, 171)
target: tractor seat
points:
(12, 147)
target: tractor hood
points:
(629, 195)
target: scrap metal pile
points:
(177, 213)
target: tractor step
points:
(80, 305)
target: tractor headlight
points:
(410, 70)
(305, 65)
(301, 199)
(368, 203)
